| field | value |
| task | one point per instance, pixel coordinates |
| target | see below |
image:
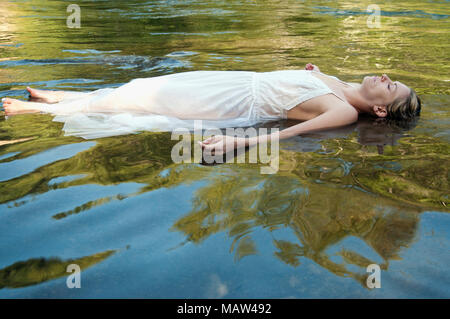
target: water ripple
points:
(414, 13)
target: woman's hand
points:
(312, 67)
(220, 144)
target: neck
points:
(353, 95)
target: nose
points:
(384, 77)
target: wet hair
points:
(405, 108)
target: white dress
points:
(219, 98)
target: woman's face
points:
(381, 90)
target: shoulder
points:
(330, 102)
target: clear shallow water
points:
(141, 226)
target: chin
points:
(368, 82)
(364, 80)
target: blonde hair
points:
(405, 108)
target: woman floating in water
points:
(229, 99)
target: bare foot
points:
(45, 95)
(13, 106)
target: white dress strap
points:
(331, 91)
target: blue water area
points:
(159, 263)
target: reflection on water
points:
(372, 192)
(37, 270)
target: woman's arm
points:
(338, 116)
(335, 117)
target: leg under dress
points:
(164, 103)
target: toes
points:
(33, 92)
(5, 106)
